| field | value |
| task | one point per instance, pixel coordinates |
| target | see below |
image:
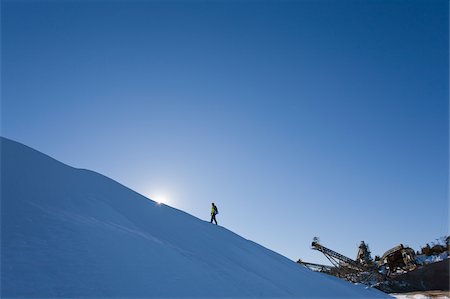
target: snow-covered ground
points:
(423, 259)
(423, 295)
(68, 232)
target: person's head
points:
(213, 204)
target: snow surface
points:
(423, 259)
(419, 296)
(69, 232)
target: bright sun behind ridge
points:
(159, 199)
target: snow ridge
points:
(69, 232)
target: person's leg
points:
(215, 219)
(212, 217)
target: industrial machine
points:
(396, 270)
(362, 270)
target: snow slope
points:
(69, 232)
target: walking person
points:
(214, 212)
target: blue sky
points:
(297, 118)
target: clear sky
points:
(297, 118)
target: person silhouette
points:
(214, 212)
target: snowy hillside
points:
(68, 232)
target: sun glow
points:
(159, 199)
(160, 196)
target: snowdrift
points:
(69, 232)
